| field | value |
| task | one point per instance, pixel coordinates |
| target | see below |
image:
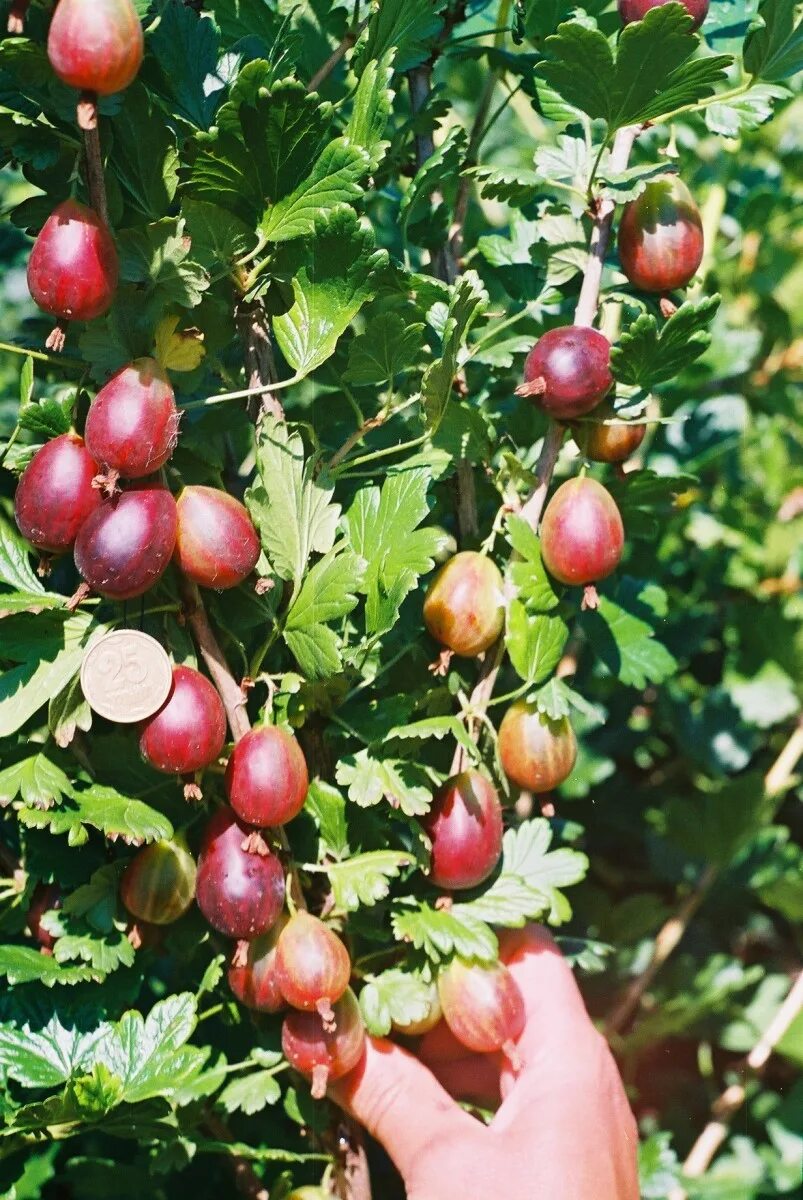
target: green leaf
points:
(741, 114)
(440, 170)
(556, 699)
(145, 155)
(621, 633)
(715, 827)
(383, 531)
(330, 285)
(468, 299)
(647, 355)
(652, 74)
(371, 108)
(21, 964)
(370, 780)
(49, 416)
(526, 571)
(435, 727)
(157, 256)
(440, 933)
(395, 996)
(290, 504)
(15, 567)
(67, 713)
(389, 346)
(534, 642)
(331, 186)
(774, 50)
(530, 880)
(364, 879)
(327, 593)
(217, 236)
(54, 657)
(37, 780)
(251, 1093)
(102, 808)
(186, 47)
(329, 810)
(12, 603)
(404, 25)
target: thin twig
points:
(260, 365)
(246, 1180)
(728, 1103)
(334, 58)
(588, 301)
(776, 781)
(231, 693)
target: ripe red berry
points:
(582, 536)
(16, 16)
(465, 828)
(217, 545)
(267, 778)
(313, 967)
(158, 886)
(483, 1006)
(661, 240)
(55, 494)
(537, 754)
(568, 371)
(126, 545)
(73, 268)
(240, 888)
(252, 972)
(189, 731)
(325, 1052)
(463, 609)
(96, 45)
(132, 425)
(634, 10)
(45, 898)
(608, 443)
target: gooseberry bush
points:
(418, 373)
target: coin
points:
(126, 676)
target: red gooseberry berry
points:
(483, 1006)
(582, 535)
(132, 426)
(240, 886)
(568, 371)
(463, 608)
(46, 897)
(267, 778)
(464, 826)
(322, 1051)
(313, 967)
(96, 45)
(604, 437)
(537, 753)
(126, 545)
(55, 495)
(252, 972)
(634, 10)
(217, 545)
(188, 732)
(661, 240)
(73, 269)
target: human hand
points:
(563, 1131)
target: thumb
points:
(400, 1103)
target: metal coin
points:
(126, 676)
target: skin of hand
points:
(563, 1129)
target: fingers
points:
(466, 1076)
(400, 1103)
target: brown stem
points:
(588, 301)
(334, 58)
(231, 693)
(355, 438)
(246, 1180)
(93, 157)
(260, 365)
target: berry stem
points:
(95, 180)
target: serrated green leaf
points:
(67, 713)
(21, 964)
(328, 807)
(37, 780)
(54, 657)
(290, 504)
(144, 156)
(534, 642)
(440, 933)
(527, 572)
(774, 50)
(394, 997)
(621, 633)
(15, 567)
(530, 880)
(372, 106)
(157, 256)
(468, 300)
(327, 593)
(104, 809)
(364, 879)
(646, 355)
(389, 346)
(370, 780)
(404, 25)
(251, 1093)
(331, 185)
(335, 277)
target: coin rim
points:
(139, 635)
